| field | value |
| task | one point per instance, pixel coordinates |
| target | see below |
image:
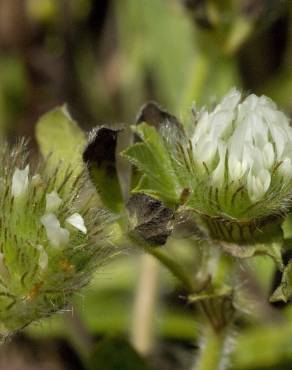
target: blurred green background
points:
(105, 58)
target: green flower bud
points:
(51, 239)
(233, 167)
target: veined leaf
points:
(153, 159)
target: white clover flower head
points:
(51, 239)
(243, 149)
(245, 139)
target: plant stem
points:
(212, 350)
(172, 266)
(145, 305)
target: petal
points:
(285, 168)
(219, 172)
(258, 185)
(268, 155)
(77, 221)
(236, 168)
(206, 149)
(231, 100)
(53, 201)
(265, 178)
(55, 233)
(20, 182)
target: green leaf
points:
(284, 290)
(60, 139)
(273, 250)
(100, 159)
(158, 23)
(116, 354)
(153, 159)
(265, 346)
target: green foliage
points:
(13, 89)
(284, 290)
(268, 345)
(61, 140)
(152, 158)
(146, 33)
(116, 354)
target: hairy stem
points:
(213, 351)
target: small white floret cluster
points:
(52, 239)
(244, 140)
(57, 235)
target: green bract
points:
(232, 167)
(51, 238)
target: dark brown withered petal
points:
(155, 116)
(101, 147)
(100, 158)
(150, 219)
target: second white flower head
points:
(244, 140)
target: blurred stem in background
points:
(145, 305)
(218, 316)
(80, 336)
